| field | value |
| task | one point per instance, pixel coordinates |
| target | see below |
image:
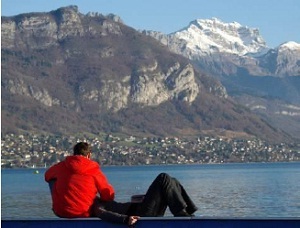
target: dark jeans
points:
(165, 191)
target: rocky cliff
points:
(64, 73)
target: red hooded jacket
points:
(77, 182)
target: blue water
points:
(221, 190)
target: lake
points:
(220, 190)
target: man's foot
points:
(191, 210)
(182, 213)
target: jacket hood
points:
(81, 165)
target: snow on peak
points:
(205, 36)
(291, 45)
(215, 22)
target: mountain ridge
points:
(212, 41)
(256, 71)
(232, 35)
(64, 72)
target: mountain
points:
(206, 37)
(283, 60)
(225, 48)
(250, 71)
(65, 73)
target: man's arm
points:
(50, 174)
(51, 184)
(105, 189)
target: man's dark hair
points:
(82, 148)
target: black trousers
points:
(165, 191)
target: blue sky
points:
(277, 20)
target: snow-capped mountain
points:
(250, 71)
(283, 60)
(288, 58)
(225, 48)
(213, 36)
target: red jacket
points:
(78, 180)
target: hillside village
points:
(32, 151)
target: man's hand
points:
(132, 220)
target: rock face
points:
(65, 72)
(179, 84)
(41, 30)
(147, 86)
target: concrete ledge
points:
(173, 222)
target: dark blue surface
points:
(158, 222)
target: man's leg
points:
(164, 191)
(113, 206)
(191, 207)
(110, 211)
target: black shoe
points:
(191, 210)
(182, 213)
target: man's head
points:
(82, 148)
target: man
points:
(76, 181)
